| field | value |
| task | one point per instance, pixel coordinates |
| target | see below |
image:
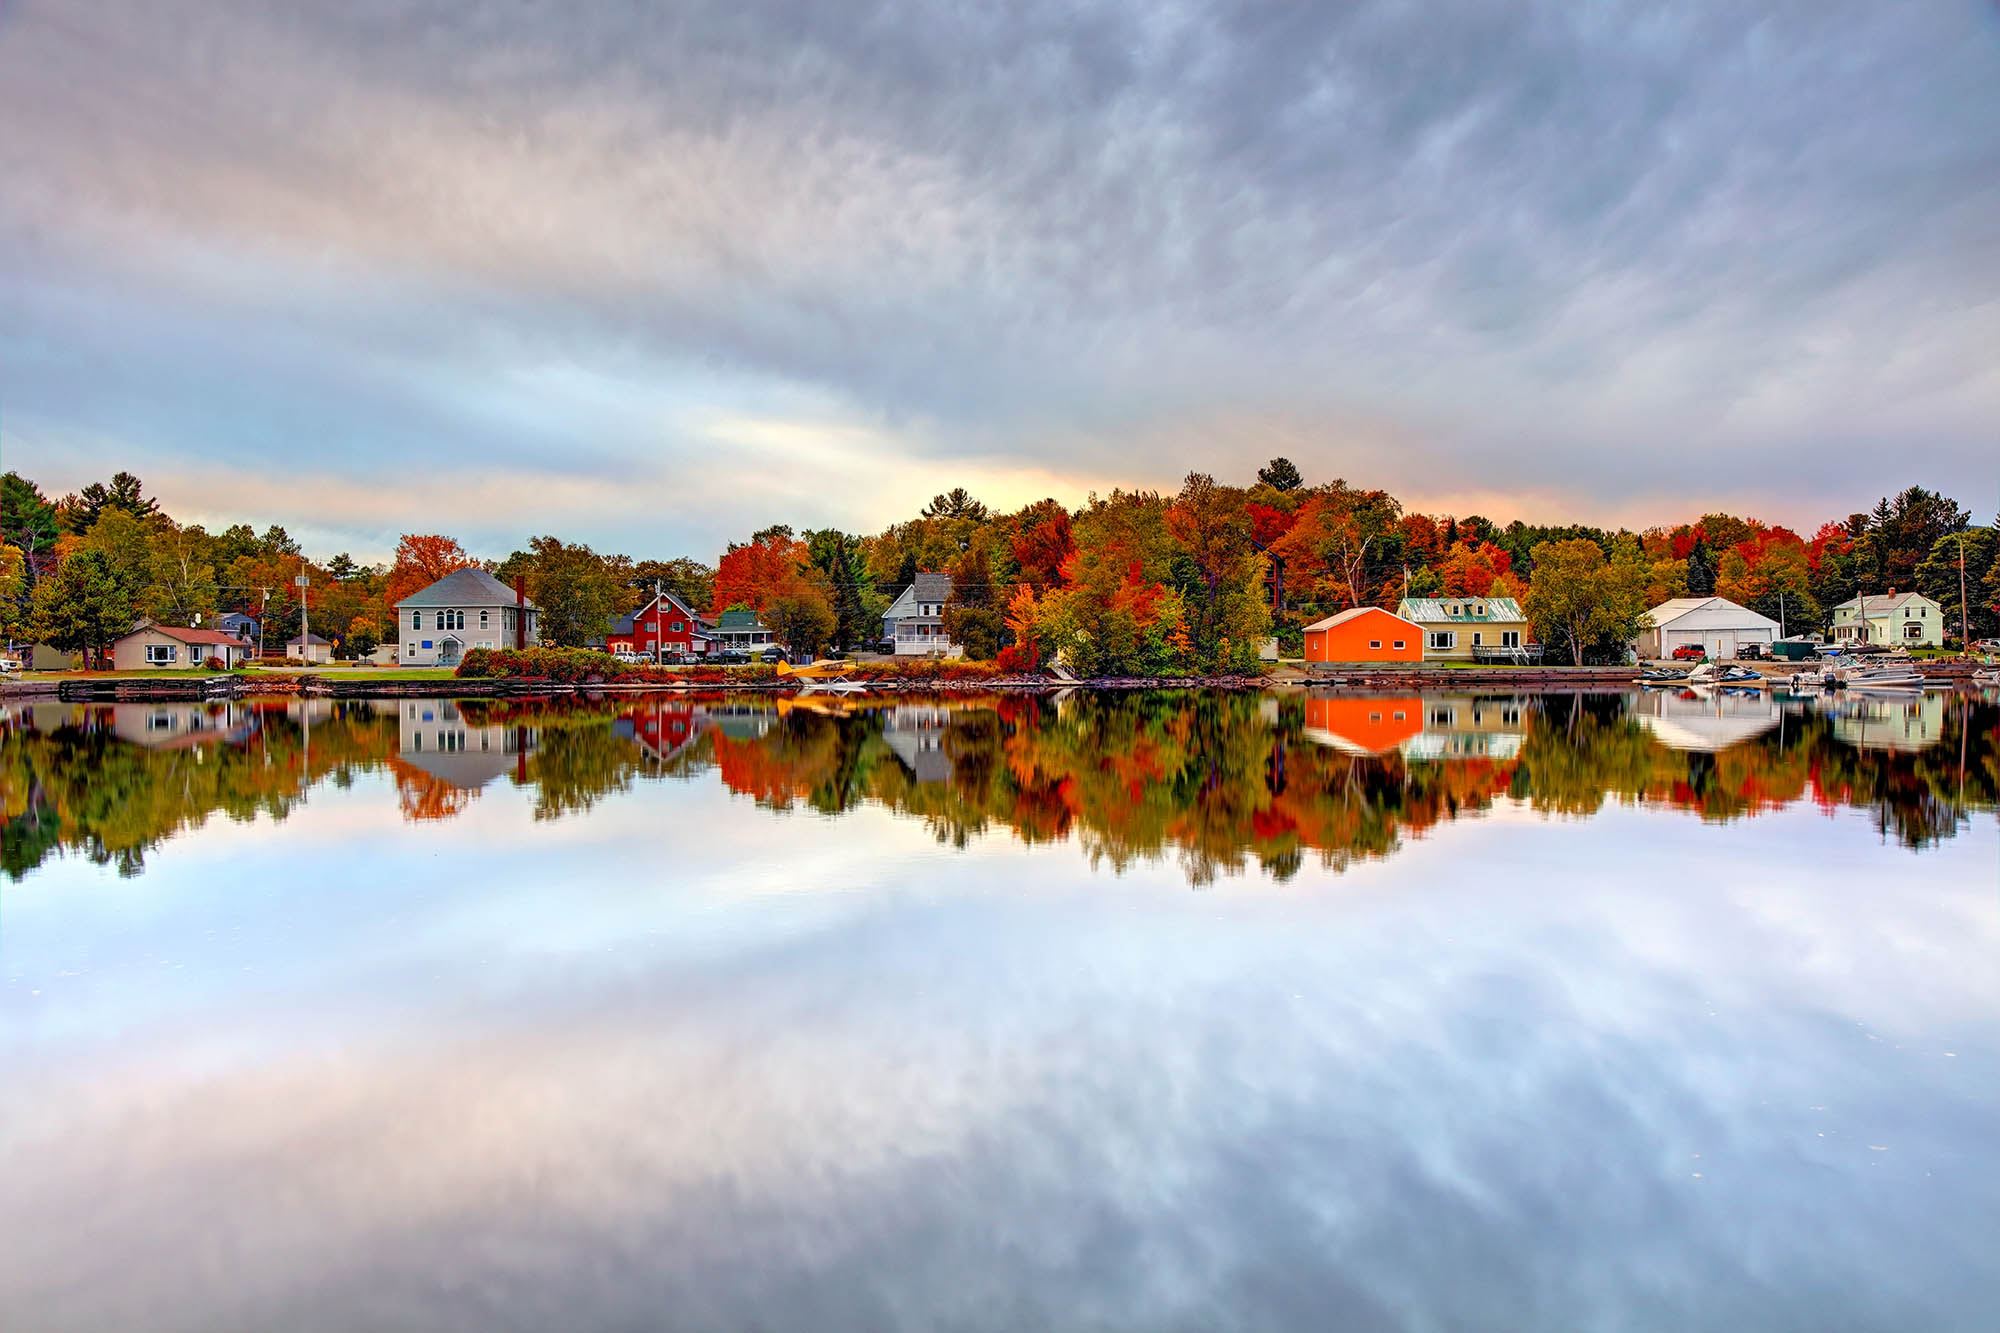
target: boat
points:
(1987, 677)
(1893, 676)
(1714, 673)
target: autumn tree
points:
(574, 590)
(972, 616)
(798, 611)
(750, 573)
(421, 560)
(1226, 618)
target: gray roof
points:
(926, 588)
(1461, 610)
(465, 587)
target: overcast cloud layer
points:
(652, 279)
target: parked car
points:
(1985, 647)
(886, 647)
(10, 664)
(772, 656)
(631, 658)
(732, 657)
(1689, 650)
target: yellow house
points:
(1471, 629)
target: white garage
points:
(1716, 625)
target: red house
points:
(665, 622)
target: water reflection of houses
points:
(1877, 723)
(915, 734)
(1469, 726)
(434, 735)
(1427, 727)
(180, 726)
(1362, 725)
(661, 728)
(1705, 720)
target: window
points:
(1452, 609)
(1480, 612)
(1399, 648)
(1443, 638)
(160, 722)
(1475, 638)
(482, 620)
(416, 620)
(678, 626)
(158, 654)
(1375, 643)
(1510, 638)
(652, 627)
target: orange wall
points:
(1367, 724)
(1348, 641)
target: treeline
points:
(1133, 583)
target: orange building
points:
(1364, 634)
(1361, 725)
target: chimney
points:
(520, 612)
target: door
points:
(448, 652)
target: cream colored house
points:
(1909, 618)
(1466, 629)
(153, 647)
(468, 609)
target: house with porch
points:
(914, 622)
(743, 631)
(466, 609)
(665, 623)
(176, 647)
(1471, 629)
(241, 624)
(1907, 618)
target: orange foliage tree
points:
(421, 560)
(752, 573)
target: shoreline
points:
(134, 689)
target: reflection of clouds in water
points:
(1462, 1088)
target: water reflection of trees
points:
(1217, 781)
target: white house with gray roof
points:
(914, 622)
(467, 609)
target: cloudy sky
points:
(652, 276)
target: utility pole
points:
(305, 626)
(658, 621)
(1964, 623)
(263, 614)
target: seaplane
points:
(823, 677)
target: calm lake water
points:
(1159, 1011)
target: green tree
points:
(28, 520)
(957, 503)
(1280, 474)
(1584, 601)
(1938, 579)
(576, 592)
(83, 605)
(849, 589)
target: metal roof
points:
(1461, 610)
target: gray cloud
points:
(1629, 259)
